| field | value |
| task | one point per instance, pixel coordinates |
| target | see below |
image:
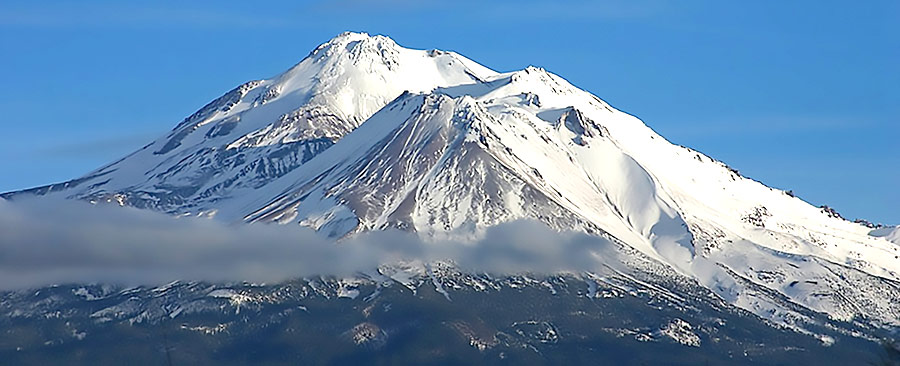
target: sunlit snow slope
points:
(366, 135)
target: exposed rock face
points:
(366, 135)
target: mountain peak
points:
(350, 36)
(356, 43)
(365, 135)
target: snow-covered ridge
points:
(890, 233)
(366, 135)
(265, 128)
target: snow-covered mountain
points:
(366, 135)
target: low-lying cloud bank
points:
(44, 242)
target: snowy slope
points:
(263, 129)
(366, 135)
(890, 233)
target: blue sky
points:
(801, 95)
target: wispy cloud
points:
(107, 147)
(763, 125)
(51, 242)
(149, 15)
(505, 11)
(565, 11)
(216, 15)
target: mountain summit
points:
(366, 135)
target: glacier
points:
(365, 135)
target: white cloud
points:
(52, 242)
